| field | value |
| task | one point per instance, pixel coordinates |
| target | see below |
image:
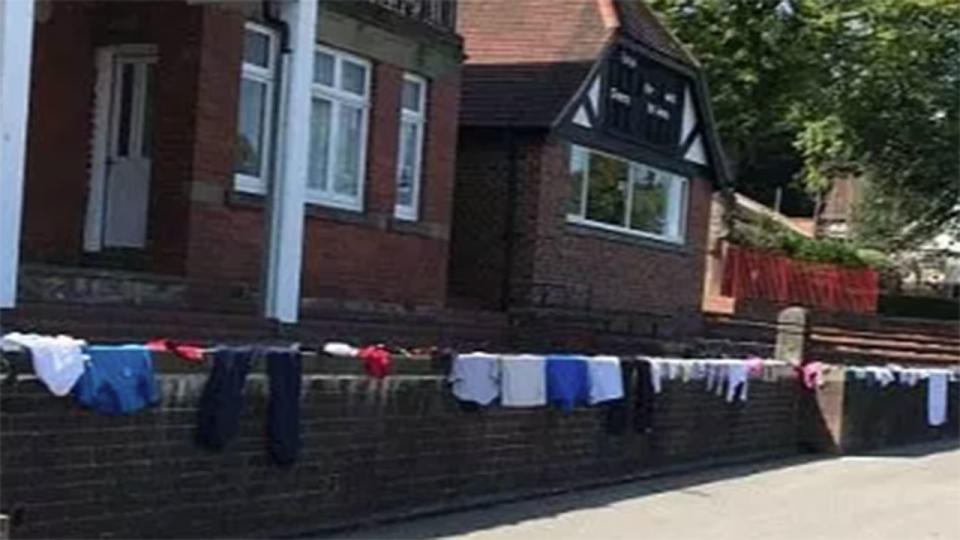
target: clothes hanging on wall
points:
(118, 380)
(606, 379)
(523, 380)
(58, 361)
(643, 402)
(376, 360)
(475, 378)
(737, 382)
(222, 399)
(568, 382)
(937, 398)
(283, 424)
(618, 414)
(186, 351)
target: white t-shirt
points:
(57, 361)
(606, 379)
(475, 377)
(523, 380)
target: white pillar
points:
(16, 46)
(285, 237)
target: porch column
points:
(285, 235)
(16, 46)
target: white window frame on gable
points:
(330, 167)
(636, 180)
(410, 150)
(255, 181)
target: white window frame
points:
(681, 183)
(411, 212)
(267, 76)
(336, 97)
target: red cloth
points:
(376, 360)
(190, 353)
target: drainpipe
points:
(269, 260)
(284, 253)
(510, 213)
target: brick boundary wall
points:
(372, 450)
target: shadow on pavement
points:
(525, 508)
(913, 450)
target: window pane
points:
(249, 150)
(319, 143)
(256, 48)
(578, 171)
(323, 68)
(406, 175)
(347, 178)
(126, 109)
(606, 190)
(411, 95)
(353, 77)
(649, 205)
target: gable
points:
(636, 105)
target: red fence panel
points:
(753, 274)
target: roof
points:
(527, 58)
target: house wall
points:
(198, 226)
(561, 266)
(61, 114)
(58, 134)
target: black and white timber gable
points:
(647, 109)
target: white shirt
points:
(57, 361)
(606, 379)
(475, 377)
(523, 380)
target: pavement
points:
(903, 494)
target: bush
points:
(765, 234)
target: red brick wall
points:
(58, 134)
(370, 449)
(614, 273)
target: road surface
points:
(904, 494)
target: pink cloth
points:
(754, 366)
(812, 374)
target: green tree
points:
(833, 87)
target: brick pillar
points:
(383, 140)
(178, 66)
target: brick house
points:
(586, 162)
(181, 139)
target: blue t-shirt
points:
(118, 380)
(568, 383)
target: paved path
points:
(907, 494)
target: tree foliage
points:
(818, 89)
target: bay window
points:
(410, 147)
(338, 129)
(615, 194)
(252, 147)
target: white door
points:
(129, 147)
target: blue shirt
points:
(568, 383)
(118, 380)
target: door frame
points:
(103, 124)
